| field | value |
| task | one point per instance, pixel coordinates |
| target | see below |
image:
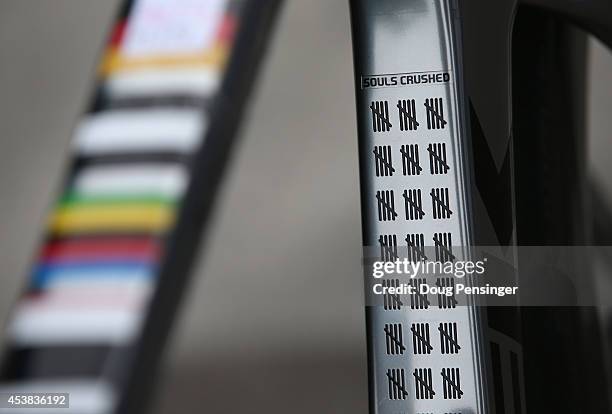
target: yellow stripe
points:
(135, 217)
(115, 61)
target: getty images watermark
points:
(460, 269)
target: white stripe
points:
(39, 325)
(141, 179)
(91, 296)
(172, 27)
(86, 396)
(156, 82)
(140, 131)
(74, 286)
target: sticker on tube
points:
(172, 27)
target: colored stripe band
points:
(131, 158)
(135, 130)
(111, 102)
(50, 274)
(115, 61)
(42, 326)
(51, 362)
(112, 218)
(150, 82)
(77, 200)
(140, 179)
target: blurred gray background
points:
(249, 331)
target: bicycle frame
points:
(148, 238)
(467, 85)
(497, 148)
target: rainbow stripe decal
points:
(91, 284)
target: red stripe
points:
(102, 249)
(227, 29)
(117, 34)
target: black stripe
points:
(131, 235)
(66, 361)
(162, 157)
(174, 100)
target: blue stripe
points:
(47, 273)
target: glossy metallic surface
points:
(396, 40)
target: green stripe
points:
(76, 199)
